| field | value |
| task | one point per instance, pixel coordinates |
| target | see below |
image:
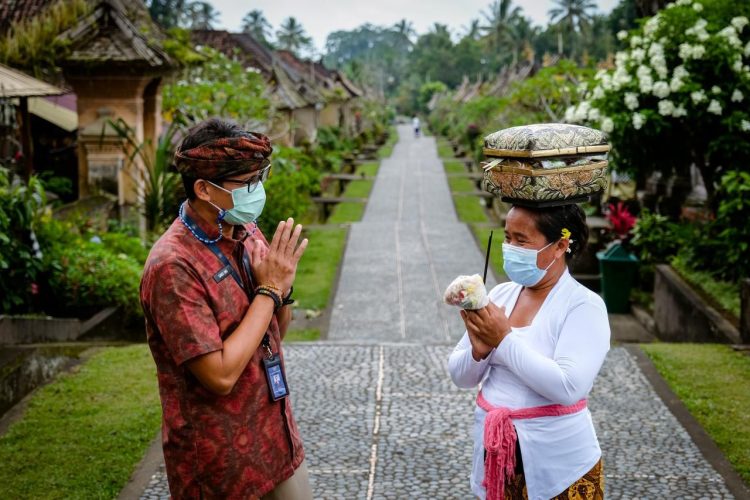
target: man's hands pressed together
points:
(218, 371)
(279, 267)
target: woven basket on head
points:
(545, 164)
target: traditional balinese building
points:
(305, 95)
(116, 72)
(291, 122)
(112, 66)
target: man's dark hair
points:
(550, 222)
(202, 133)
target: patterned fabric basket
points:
(545, 164)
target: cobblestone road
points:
(342, 394)
(378, 413)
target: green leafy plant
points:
(86, 272)
(677, 94)
(217, 85)
(21, 208)
(32, 44)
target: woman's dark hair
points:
(201, 133)
(551, 221)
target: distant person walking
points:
(216, 296)
(416, 124)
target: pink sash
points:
(500, 440)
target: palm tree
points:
(499, 18)
(473, 30)
(291, 36)
(572, 14)
(202, 15)
(256, 25)
(405, 29)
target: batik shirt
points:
(236, 446)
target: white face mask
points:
(520, 264)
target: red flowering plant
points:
(621, 222)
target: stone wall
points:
(681, 315)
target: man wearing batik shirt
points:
(216, 298)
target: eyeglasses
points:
(252, 182)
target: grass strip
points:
(82, 435)
(317, 268)
(369, 169)
(386, 150)
(724, 294)
(462, 185)
(445, 150)
(303, 335)
(454, 167)
(713, 381)
(470, 209)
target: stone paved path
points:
(407, 249)
(378, 413)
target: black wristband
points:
(288, 300)
(270, 293)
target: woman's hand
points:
(487, 327)
(279, 267)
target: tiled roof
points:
(14, 83)
(12, 11)
(108, 37)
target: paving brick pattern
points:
(378, 413)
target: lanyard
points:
(203, 238)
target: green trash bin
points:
(618, 269)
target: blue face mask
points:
(520, 264)
(247, 206)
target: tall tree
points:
(575, 15)
(473, 30)
(500, 18)
(405, 29)
(292, 36)
(256, 25)
(168, 13)
(202, 16)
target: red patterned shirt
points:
(236, 446)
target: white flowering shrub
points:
(676, 95)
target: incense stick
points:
(487, 258)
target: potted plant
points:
(617, 264)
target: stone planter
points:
(30, 329)
(681, 314)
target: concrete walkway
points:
(378, 413)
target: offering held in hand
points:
(467, 292)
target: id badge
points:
(276, 378)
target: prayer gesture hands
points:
(487, 327)
(279, 266)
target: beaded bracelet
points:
(273, 288)
(262, 290)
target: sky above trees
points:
(319, 19)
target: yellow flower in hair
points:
(565, 233)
